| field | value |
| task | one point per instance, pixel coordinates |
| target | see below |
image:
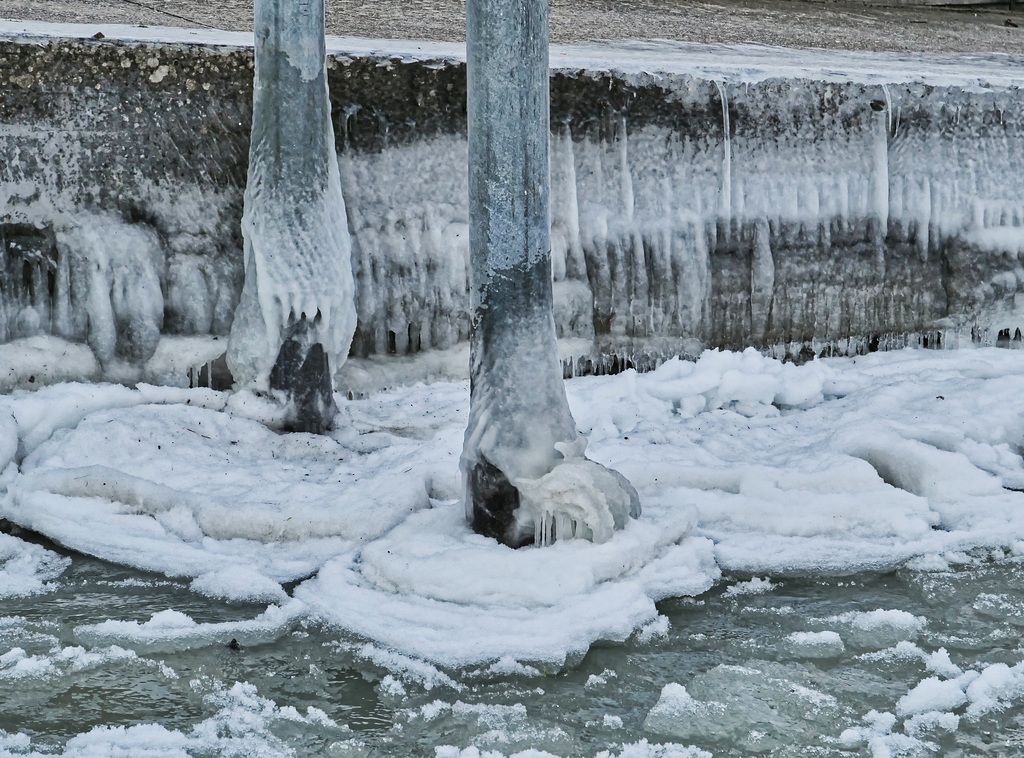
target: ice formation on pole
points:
(295, 320)
(524, 473)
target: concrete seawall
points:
(804, 203)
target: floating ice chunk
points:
(509, 666)
(923, 724)
(449, 751)
(644, 749)
(676, 709)
(14, 743)
(25, 568)
(878, 629)
(654, 630)
(878, 724)
(940, 663)
(239, 583)
(508, 727)
(79, 659)
(172, 630)
(242, 725)
(932, 694)
(755, 586)
(880, 740)
(937, 662)
(17, 664)
(826, 644)
(753, 706)
(932, 563)
(996, 688)
(408, 669)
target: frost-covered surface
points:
(297, 247)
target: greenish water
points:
(731, 646)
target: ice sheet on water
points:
(172, 630)
(832, 466)
(754, 706)
(244, 723)
(16, 663)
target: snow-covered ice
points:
(743, 463)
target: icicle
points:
(725, 196)
(888, 109)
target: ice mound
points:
(577, 499)
(872, 461)
(753, 707)
(179, 480)
(433, 589)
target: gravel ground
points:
(791, 23)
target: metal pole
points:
(518, 409)
(296, 316)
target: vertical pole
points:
(296, 316)
(518, 408)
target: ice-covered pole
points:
(295, 320)
(523, 469)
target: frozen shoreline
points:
(742, 463)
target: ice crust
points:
(297, 245)
(744, 463)
(813, 200)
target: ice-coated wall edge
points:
(732, 63)
(805, 202)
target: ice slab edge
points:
(799, 202)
